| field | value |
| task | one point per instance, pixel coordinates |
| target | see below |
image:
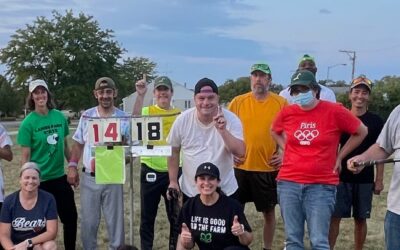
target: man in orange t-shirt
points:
(256, 173)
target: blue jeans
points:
(311, 203)
(392, 231)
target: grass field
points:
(375, 237)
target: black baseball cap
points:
(207, 168)
(205, 82)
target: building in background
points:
(182, 98)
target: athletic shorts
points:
(353, 195)
(257, 187)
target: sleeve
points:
(184, 217)
(277, 125)
(145, 111)
(78, 135)
(51, 212)
(174, 136)
(346, 121)
(235, 126)
(241, 216)
(328, 94)
(66, 127)
(125, 126)
(285, 94)
(390, 132)
(6, 211)
(233, 106)
(4, 138)
(24, 137)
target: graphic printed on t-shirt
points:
(306, 133)
(51, 131)
(207, 226)
(22, 224)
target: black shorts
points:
(257, 187)
(356, 195)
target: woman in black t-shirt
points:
(211, 219)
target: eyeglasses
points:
(360, 80)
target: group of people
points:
(298, 149)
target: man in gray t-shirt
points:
(388, 143)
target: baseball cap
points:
(207, 168)
(304, 78)
(36, 83)
(361, 80)
(261, 66)
(306, 57)
(205, 82)
(104, 82)
(162, 81)
(29, 165)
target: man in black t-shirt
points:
(355, 191)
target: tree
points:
(68, 52)
(9, 99)
(132, 70)
(385, 96)
(232, 88)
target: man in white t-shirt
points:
(388, 143)
(99, 198)
(5, 153)
(205, 133)
(307, 62)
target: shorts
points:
(257, 187)
(356, 195)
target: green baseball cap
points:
(307, 57)
(304, 78)
(261, 66)
(163, 81)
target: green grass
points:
(375, 237)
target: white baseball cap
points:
(36, 83)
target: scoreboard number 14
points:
(109, 130)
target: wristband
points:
(73, 164)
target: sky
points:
(221, 39)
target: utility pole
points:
(352, 56)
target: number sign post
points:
(143, 129)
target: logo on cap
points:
(297, 77)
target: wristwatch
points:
(30, 243)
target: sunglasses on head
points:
(359, 80)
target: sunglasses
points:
(360, 80)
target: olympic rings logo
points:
(306, 136)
